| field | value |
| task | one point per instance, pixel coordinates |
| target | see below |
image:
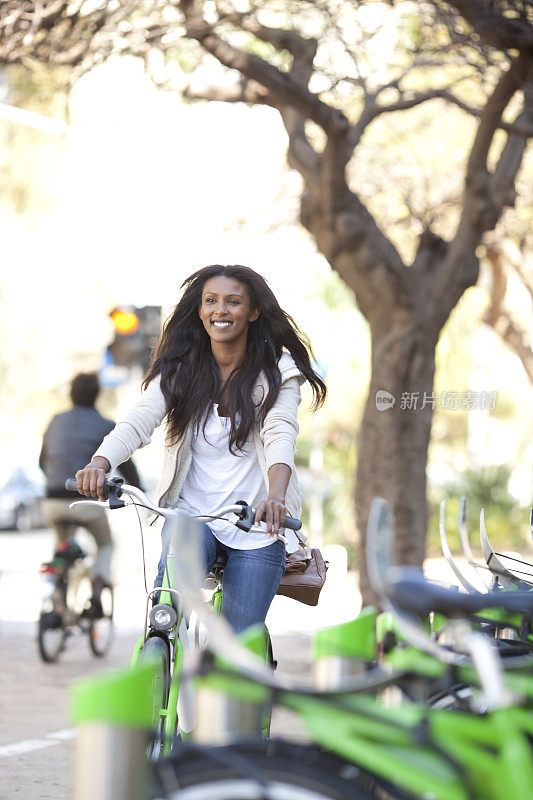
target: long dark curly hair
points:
(190, 379)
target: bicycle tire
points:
(299, 773)
(51, 636)
(156, 649)
(266, 719)
(101, 630)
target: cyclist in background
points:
(226, 376)
(70, 439)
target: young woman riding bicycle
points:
(227, 376)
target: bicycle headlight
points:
(163, 617)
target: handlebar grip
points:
(292, 523)
(71, 485)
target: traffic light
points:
(136, 335)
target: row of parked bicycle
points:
(430, 697)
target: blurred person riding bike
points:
(70, 439)
(226, 376)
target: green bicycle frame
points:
(429, 752)
(433, 753)
(493, 749)
(170, 713)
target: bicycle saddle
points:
(409, 589)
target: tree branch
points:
(301, 154)
(242, 92)
(281, 38)
(499, 318)
(491, 115)
(372, 110)
(508, 127)
(283, 88)
(494, 28)
(481, 211)
(511, 157)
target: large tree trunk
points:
(393, 440)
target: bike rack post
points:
(231, 710)
(114, 716)
(344, 650)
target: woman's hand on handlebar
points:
(273, 508)
(274, 512)
(91, 479)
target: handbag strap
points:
(304, 548)
(302, 540)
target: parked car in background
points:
(21, 500)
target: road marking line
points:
(31, 745)
(63, 735)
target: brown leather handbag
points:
(305, 575)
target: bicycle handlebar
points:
(245, 512)
(223, 640)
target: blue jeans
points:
(251, 577)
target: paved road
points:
(36, 748)
(36, 735)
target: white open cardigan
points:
(275, 439)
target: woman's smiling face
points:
(226, 310)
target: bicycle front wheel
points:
(244, 773)
(101, 630)
(156, 649)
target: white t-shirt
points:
(218, 478)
